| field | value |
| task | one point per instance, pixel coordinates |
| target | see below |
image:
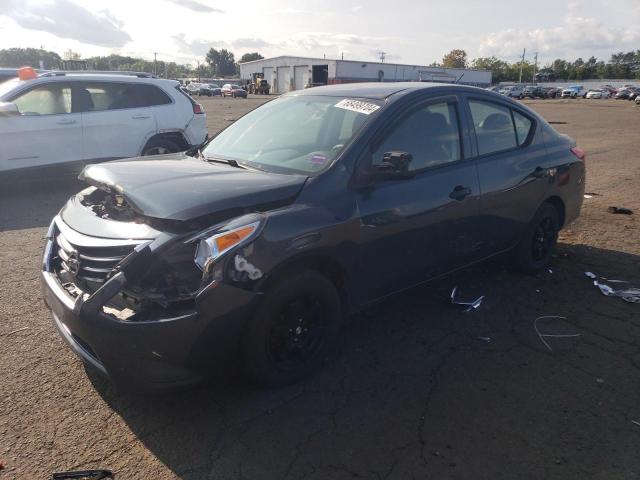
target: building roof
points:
(363, 61)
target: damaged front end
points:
(152, 312)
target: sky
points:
(409, 31)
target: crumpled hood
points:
(179, 187)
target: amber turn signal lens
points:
(228, 240)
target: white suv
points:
(63, 117)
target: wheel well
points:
(324, 265)
(559, 206)
(175, 137)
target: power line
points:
(522, 64)
(382, 54)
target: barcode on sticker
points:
(358, 106)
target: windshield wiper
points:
(227, 161)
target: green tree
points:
(455, 59)
(222, 62)
(29, 57)
(250, 57)
(499, 68)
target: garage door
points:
(284, 79)
(301, 76)
(268, 76)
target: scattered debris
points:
(628, 294)
(587, 195)
(542, 336)
(485, 339)
(620, 210)
(635, 422)
(470, 305)
(591, 194)
(600, 380)
(18, 330)
(550, 271)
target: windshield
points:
(297, 134)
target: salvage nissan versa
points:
(250, 251)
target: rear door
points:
(512, 167)
(46, 131)
(417, 228)
(117, 119)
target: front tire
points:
(292, 330)
(534, 251)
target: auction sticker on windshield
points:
(357, 106)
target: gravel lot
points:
(414, 392)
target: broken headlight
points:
(215, 243)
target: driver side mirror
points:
(394, 166)
(8, 109)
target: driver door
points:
(424, 224)
(47, 131)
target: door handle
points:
(141, 116)
(68, 121)
(460, 192)
(538, 172)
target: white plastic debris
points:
(628, 294)
(470, 305)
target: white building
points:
(288, 73)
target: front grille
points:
(87, 261)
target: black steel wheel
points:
(539, 240)
(293, 329)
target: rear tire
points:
(534, 251)
(160, 146)
(292, 330)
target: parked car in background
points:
(8, 74)
(513, 91)
(232, 90)
(623, 94)
(193, 88)
(216, 90)
(235, 257)
(551, 92)
(571, 92)
(495, 89)
(597, 94)
(67, 117)
(533, 91)
(633, 93)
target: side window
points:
(430, 134)
(152, 96)
(46, 100)
(101, 96)
(493, 125)
(523, 126)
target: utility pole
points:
(522, 65)
(535, 67)
(155, 64)
(382, 55)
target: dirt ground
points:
(419, 389)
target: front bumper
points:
(174, 350)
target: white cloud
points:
(574, 37)
(66, 19)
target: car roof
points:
(373, 90)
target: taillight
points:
(197, 108)
(579, 153)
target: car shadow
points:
(420, 386)
(33, 203)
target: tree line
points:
(222, 63)
(621, 65)
(217, 63)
